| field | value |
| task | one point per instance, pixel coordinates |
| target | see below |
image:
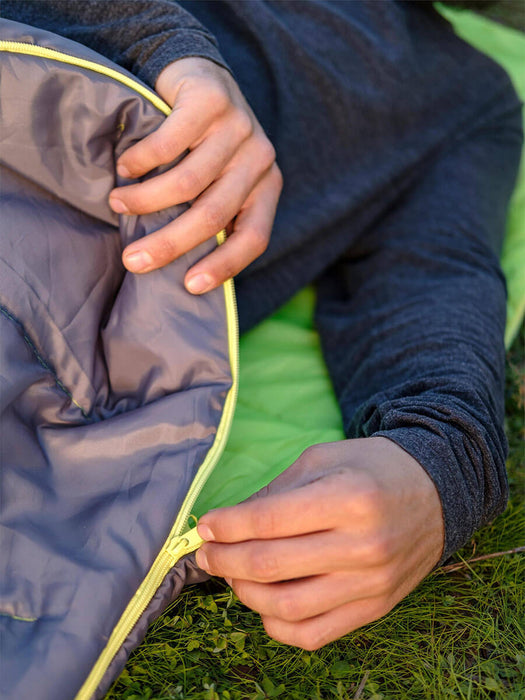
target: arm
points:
(228, 171)
(419, 307)
(143, 36)
(412, 325)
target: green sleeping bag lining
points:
(286, 402)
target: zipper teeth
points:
(173, 550)
(175, 546)
(225, 423)
(55, 55)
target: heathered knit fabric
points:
(399, 146)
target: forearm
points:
(143, 36)
(413, 326)
(446, 410)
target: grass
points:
(459, 635)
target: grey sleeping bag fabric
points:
(113, 386)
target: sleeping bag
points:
(117, 390)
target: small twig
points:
(462, 564)
(361, 686)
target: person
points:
(397, 147)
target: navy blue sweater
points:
(399, 146)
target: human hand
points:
(229, 171)
(333, 543)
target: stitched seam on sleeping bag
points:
(41, 360)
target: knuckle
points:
(167, 249)
(189, 184)
(217, 97)
(227, 269)
(288, 608)
(264, 523)
(313, 454)
(258, 241)
(377, 551)
(274, 629)
(313, 639)
(243, 124)
(367, 501)
(266, 153)
(383, 606)
(264, 566)
(277, 177)
(213, 216)
(162, 148)
(385, 580)
(308, 639)
(309, 461)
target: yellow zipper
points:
(177, 544)
(54, 55)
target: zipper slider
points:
(180, 545)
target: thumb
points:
(314, 464)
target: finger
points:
(183, 183)
(248, 240)
(212, 211)
(315, 507)
(290, 558)
(314, 464)
(344, 455)
(294, 601)
(175, 135)
(317, 631)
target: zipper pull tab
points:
(180, 545)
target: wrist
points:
(171, 78)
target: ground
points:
(457, 636)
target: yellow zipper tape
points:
(54, 55)
(177, 544)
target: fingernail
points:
(139, 261)
(202, 560)
(118, 206)
(205, 532)
(123, 171)
(199, 283)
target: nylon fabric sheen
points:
(112, 384)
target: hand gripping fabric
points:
(117, 391)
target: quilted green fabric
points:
(286, 402)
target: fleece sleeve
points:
(412, 324)
(143, 36)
